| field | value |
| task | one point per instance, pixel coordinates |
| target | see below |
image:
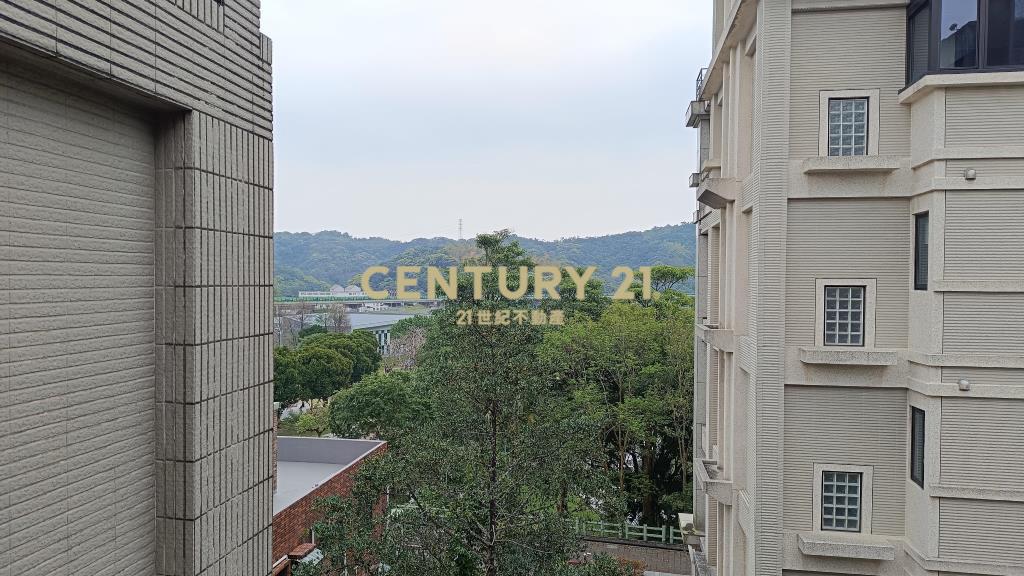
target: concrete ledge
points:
(980, 183)
(967, 360)
(948, 389)
(839, 545)
(848, 356)
(720, 338)
(933, 81)
(999, 286)
(975, 493)
(716, 192)
(850, 164)
(714, 487)
(822, 5)
(959, 566)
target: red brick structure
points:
(292, 523)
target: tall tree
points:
(500, 458)
(322, 371)
(288, 384)
(629, 371)
(380, 406)
(359, 348)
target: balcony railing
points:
(702, 76)
(695, 179)
(626, 531)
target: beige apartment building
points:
(860, 348)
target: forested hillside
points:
(307, 261)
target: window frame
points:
(918, 283)
(915, 455)
(847, 507)
(933, 42)
(866, 492)
(866, 102)
(873, 120)
(870, 290)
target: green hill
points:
(307, 261)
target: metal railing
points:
(702, 76)
(627, 531)
(695, 179)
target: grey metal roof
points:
(303, 464)
(362, 320)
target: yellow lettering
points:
(547, 279)
(436, 280)
(478, 279)
(367, 276)
(581, 281)
(507, 292)
(403, 281)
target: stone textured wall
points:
(77, 330)
(204, 67)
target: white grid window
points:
(847, 126)
(840, 501)
(844, 315)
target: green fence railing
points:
(627, 531)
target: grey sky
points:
(555, 118)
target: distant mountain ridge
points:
(305, 261)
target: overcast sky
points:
(554, 118)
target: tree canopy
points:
(500, 435)
(322, 364)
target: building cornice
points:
(833, 6)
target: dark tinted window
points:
(917, 446)
(1005, 32)
(918, 45)
(952, 35)
(921, 251)
(958, 34)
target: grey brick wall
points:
(142, 442)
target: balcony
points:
(707, 476)
(716, 192)
(699, 110)
(695, 179)
(719, 338)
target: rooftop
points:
(303, 464)
(361, 320)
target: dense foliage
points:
(501, 435)
(307, 261)
(630, 371)
(322, 364)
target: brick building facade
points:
(293, 521)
